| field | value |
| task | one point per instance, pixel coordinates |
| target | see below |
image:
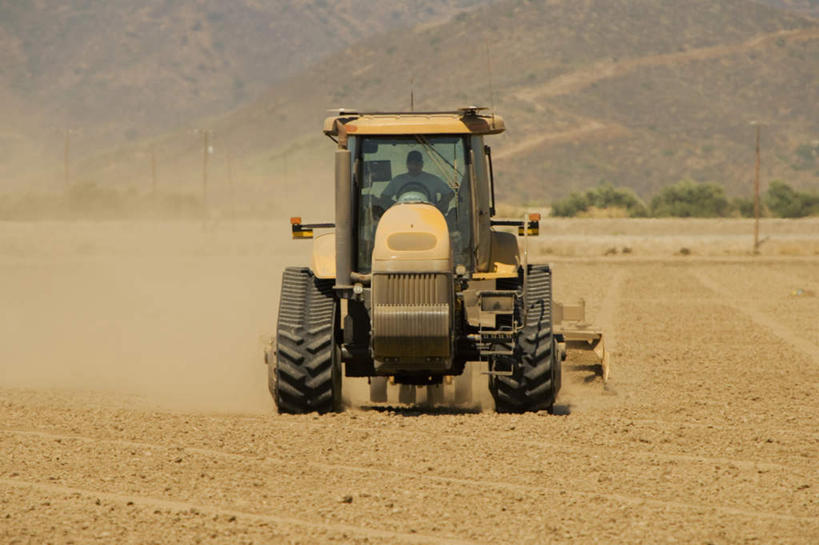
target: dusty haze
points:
(172, 312)
(177, 313)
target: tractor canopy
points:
(467, 120)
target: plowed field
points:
(133, 407)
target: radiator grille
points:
(411, 289)
(411, 315)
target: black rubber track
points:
(534, 382)
(308, 376)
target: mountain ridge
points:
(637, 93)
(118, 71)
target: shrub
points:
(743, 206)
(689, 199)
(604, 196)
(571, 205)
(785, 202)
(806, 155)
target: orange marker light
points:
(534, 217)
(296, 220)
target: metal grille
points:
(411, 315)
(411, 289)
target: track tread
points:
(307, 375)
(534, 384)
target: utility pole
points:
(153, 171)
(205, 153)
(230, 186)
(206, 150)
(756, 192)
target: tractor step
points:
(495, 336)
(498, 373)
(497, 352)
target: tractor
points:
(416, 279)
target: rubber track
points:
(531, 387)
(305, 344)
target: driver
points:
(415, 179)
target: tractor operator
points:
(420, 183)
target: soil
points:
(133, 405)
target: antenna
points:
(412, 94)
(491, 88)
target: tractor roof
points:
(462, 121)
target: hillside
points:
(638, 93)
(805, 7)
(117, 71)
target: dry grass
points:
(661, 238)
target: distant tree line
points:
(87, 200)
(686, 199)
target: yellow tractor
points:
(416, 278)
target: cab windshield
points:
(418, 168)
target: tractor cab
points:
(420, 169)
(435, 158)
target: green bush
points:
(571, 205)
(689, 199)
(785, 202)
(604, 196)
(743, 206)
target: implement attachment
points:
(570, 324)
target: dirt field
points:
(133, 402)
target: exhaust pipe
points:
(344, 221)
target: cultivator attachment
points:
(570, 325)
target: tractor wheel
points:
(271, 375)
(270, 363)
(308, 368)
(535, 378)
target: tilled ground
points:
(707, 432)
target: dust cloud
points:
(171, 314)
(175, 313)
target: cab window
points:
(416, 168)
